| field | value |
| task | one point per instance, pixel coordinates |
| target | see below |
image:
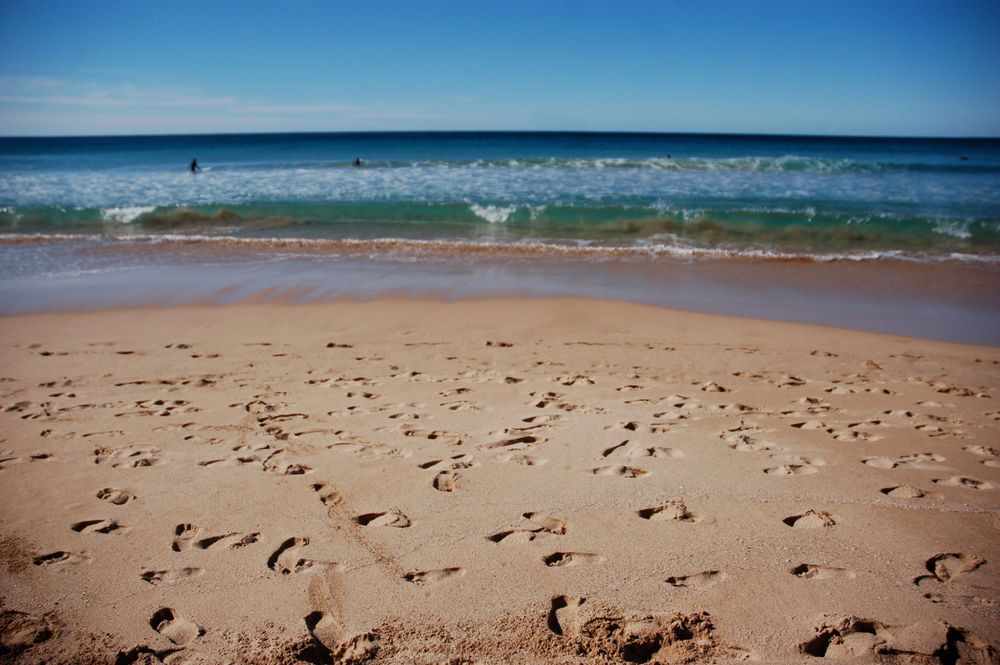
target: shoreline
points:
(952, 302)
(502, 480)
(652, 248)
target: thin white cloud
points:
(64, 92)
(40, 106)
(48, 92)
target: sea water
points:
(85, 220)
(820, 197)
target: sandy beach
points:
(492, 481)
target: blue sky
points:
(905, 67)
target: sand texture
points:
(501, 481)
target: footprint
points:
(541, 419)
(285, 559)
(966, 482)
(564, 617)
(99, 526)
(513, 536)
(446, 481)
(574, 379)
(548, 523)
(916, 461)
(791, 470)
(130, 457)
(958, 391)
(335, 645)
(328, 494)
(427, 577)
(183, 535)
(451, 463)
(170, 576)
(392, 517)
(653, 428)
(946, 567)
(623, 471)
(879, 462)
(905, 492)
(228, 461)
(232, 540)
(5, 460)
(115, 496)
(811, 519)
(20, 631)
(812, 424)
(59, 557)
(325, 629)
(524, 442)
(169, 623)
(461, 405)
(369, 451)
(851, 638)
(699, 581)
(671, 510)
(568, 559)
(285, 468)
(634, 450)
(747, 444)
(811, 571)
(540, 524)
(983, 451)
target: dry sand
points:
(531, 481)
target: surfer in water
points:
(357, 162)
(194, 166)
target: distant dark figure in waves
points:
(357, 162)
(194, 166)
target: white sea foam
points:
(954, 229)
(388, 248)
(493, 214)
(125, 214)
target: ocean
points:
(105, 209)
(817, 197)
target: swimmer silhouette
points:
(194, 166)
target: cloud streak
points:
(68, 97)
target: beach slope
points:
(494, 481)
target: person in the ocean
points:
(194, 166)
(358, 162)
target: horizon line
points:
(635, 132)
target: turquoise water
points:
(647, 194)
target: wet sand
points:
(957, 301)
(493, 481)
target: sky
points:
(869, 67)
